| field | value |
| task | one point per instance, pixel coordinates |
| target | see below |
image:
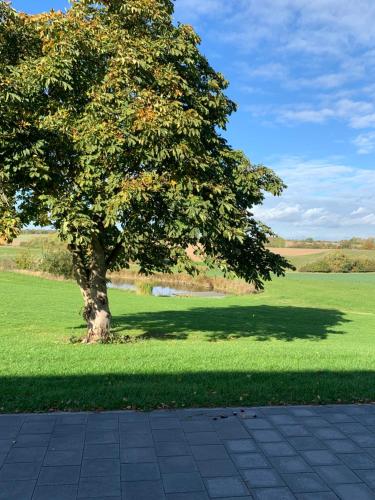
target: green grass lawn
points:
(307, 339)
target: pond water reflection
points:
(165, 290)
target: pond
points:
(164, 289)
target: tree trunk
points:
(91, 278)
(98, 317)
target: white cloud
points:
(359, 211)
(324, 199)
(323, 49)
(365, 143)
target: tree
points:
(110, 133)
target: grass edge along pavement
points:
(307, 339)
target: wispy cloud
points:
(365, 143)
(322, 52)
(325, 198)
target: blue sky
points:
(302, 73)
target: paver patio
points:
(274, 453)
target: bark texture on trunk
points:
(92, 281)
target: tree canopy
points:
(111, 126)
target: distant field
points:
(301, 256)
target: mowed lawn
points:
(307, 339)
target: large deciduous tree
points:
(110, 122)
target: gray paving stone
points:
(257, 423)
(182, 482)
(354, 492)
(103, 425)
(8, 433)
(328, 433)
(303, 412)
(216, 468)
(140, 472)
(267, 436)
(69, 430)
(288, 452)
(81, 418)
(172, 449)
(41, 418)
(290, 464)
(222, 487)
(66, 443)
(357, 460)
(240, 445)
(247, 497)
(250, 460)
(53, 492)
(136, 440)
(339, 418)
(354, 428)
(177, 464)
(143, 490)
(342, 445)
(19, 472)
(366, 419)
(262, 478)
(273, 494)
(169, 436)
(25, 440)
(65, 474)
(320, 457)
(100, 467)
(130, 427)
(282, 419)
(165, 423)
(5, 445)
(198, 426)
(43, 427)
(315, 422)
(31, 454)
(198, 438)
(307, 443)
(322, 495)
(337, 474)
(94, 487)
(305, 483)
(365, 439)
(110, 415)
(368, 476)
(101, 451)
(67, 457)
(231, 429)
(195, 495)
(282, 449)
(294, 430)
(138, 455)
(209, 452)
(12, 419)
(102, 437)
(133, 416)
(16, 490)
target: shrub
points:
(57, 261)
(26, 260)
(276, 242)
(7, 264)
(340, 263)
(144, 288)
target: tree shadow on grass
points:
(209, 388)
(262, 323)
